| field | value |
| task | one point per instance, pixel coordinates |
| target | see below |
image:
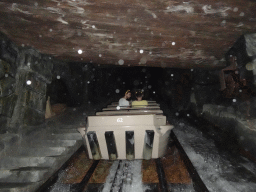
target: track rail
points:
(80, 187)
(198, 183)
(46, 187)
(123, 176)
(161, 176)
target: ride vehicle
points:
(127, 133)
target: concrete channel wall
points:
(242, 129)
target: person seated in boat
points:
(139, 102)
(123, 102)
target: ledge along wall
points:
(243, 131)
(228, 114)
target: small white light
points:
(50, 30)
(149, 86)
(154, 92)
(6, 75)
(29, 82)
(100, 55)
(234, 100)
(172, 75)
(240, 90)
(150, 53)
(118, 107)
(80, 51)
(177, 114)
(121, 62)
(191, 69)
(88, 82)
(173, 43)
(58, 77)
(241, 14)
(141, 51)
(117, 90)
(74, 109)
(188, 115)
(93, 26)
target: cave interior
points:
(82, 55)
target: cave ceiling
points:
(158, 33)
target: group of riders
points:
(124, 101)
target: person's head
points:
(139, 95)
(127, 94)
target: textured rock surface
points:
(242, 130)
(219, 169)
(152, 33)
(26, 166)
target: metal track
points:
(47, 185)
(198, 183)
(161, 176)
(123, 176)
(80, 187)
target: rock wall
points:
(241, 130)
(229, 114)
(24, 75)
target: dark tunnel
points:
(189, 97)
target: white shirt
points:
(123, 102)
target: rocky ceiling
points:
(160, 33)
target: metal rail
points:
(80, 187)
(50, 182)
(123, 175)
(115, 187)
(198, 183)
(161, 176)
